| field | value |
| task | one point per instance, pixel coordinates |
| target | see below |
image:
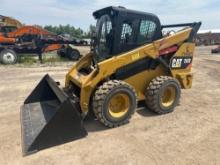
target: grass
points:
(29, 59)
(54, 59)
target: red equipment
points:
(16, 38)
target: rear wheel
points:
(8, 56)
(69, 52)
(163, 94)
(73, 54)
(114, 103)
(61, 52)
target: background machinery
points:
(16, 38)
(216, 50)
(131, 61)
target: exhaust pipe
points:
(49, 117)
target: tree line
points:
(71, 31)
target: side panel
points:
(34, 30)
(141, 80)
(7, 40)
(181, 65)
(52, 47)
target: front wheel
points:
(114, 103)
(8, 56)
(163, 94)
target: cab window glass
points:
(126, 33)
(146, 31)
(106, 28)
(104, 38)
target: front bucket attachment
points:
(49, 117)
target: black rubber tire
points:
(154, 92)
(102, 97)
(73, 54)
(61, 52)
(12, 54)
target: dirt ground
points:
(189, 135)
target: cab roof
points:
(122, 10)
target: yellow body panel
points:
(8, 21)
(88, 83)
(184, 75)
(141, 80)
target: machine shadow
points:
(91, 124)
(144, 111)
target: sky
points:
(79, 12)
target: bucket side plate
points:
(49, 121)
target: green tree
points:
(88, 34)
(71, 30)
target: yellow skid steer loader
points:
(130, 61)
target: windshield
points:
(104, 38)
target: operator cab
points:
(119, 30)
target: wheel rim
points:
(168, 96)
(8, 58)
(74, 55)
(119, 105)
